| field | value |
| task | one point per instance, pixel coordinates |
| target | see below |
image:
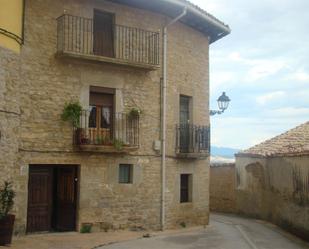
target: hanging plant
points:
(71, 112)
(134, 112)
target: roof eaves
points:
(203, 13)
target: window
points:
(185, 120)
(185, 188)
(125, 173)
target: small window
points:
(125, 173)
(185, 188)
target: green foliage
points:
(118, 144)
(104, 140)
(7, 195)
(134, 112)
(71, 112)
(99, 140)
(183, 224)
(86, 228)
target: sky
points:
(263, 66)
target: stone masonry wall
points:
(222, 188)
(275, 189)
(49, 82)
(9, 118)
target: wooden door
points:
(65, 199)
(184, 119)
(103, 33)
(101, 118)
(39, 198)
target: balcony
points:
(118, 133)
(83, 38)
(192, 141)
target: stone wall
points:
(222, 188)
(49, 82)
(275, 189)
(9, 117)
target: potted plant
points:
(71, 112)
(118, 144)
(7, 195)
(134, 112)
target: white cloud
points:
(264, 68)
(269, 97)
(293, 113)
(222, 80)
(258, 68)
(299, 75)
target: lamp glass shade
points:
(223, 102)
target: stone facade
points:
(36, 86)
(222, 188)
(9, 114)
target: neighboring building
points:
(222, 187)
(108, 56)
(273, 180)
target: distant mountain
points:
(217, 160)
(223, 152)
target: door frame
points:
(76, 194)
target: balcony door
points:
(101, 119)
(103, 33)
(184, 119)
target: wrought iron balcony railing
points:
(120, 130)
(78, 35)
(192, 139)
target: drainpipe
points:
(163, 130)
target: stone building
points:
(107, 170)
(273, 180)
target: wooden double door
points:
(52, 194)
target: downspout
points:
(163, 130)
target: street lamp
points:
(223, 104)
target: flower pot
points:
(6, 229)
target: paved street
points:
(224, 232)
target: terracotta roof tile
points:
(294, 141)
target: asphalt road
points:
(224, 232)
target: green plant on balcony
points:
(71, 112)
(134, 112)
(118, 144)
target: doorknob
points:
(75, 179)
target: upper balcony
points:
(103, 41)
(192, 141)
